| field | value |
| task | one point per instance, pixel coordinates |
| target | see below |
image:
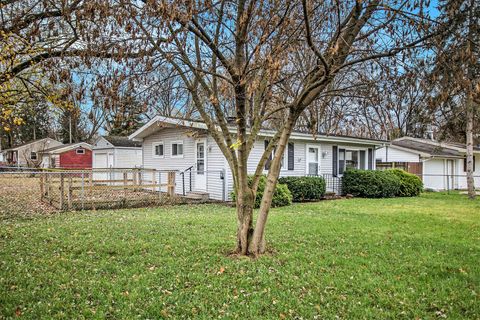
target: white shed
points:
(116, 152)
(441, 165)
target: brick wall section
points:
(70, 159)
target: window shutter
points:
(267, 163)
(291, 154)
(335, 161)
(370, 159)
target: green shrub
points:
(281, 197)
(305, 188)
(370, 184)
(410, 184)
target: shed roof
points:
(432, 148)
(119, 141)
(27, 143)
(66, 147)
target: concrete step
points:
(197, 195)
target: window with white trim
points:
(33, 155)
(177, 149)
(158, 150)
(80, 151)
(351, 159)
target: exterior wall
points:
(433, 174)
(392, 154)
(38, 146)
(217, 166)
(217, 171)
(462, 179)
(127, 157)
(300, 159)
(102, 143)
(71, 160)
(167, 136)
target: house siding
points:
(462, 179)
(216, 186)
(71, 160)
(127, 158)
(37, 146)
(300, 159)
(392, 154)
(167, 136)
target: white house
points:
(187, 147)
(441, 165)
(116, 152)
(29, 154)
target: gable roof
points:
(120, 141)
(29, 142)
(67, 147)
(160, 122)
(430, 148)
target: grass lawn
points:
(359, 258)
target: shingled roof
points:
(119, 141)
(432, 148)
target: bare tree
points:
(458, 68)
(235, 58)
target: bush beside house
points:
(370, 184)
(281, 197)
(305, 188)
(410, 184)
(381, 184)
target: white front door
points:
(200, 165)
(313, 160)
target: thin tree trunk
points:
(245, 203)
(469, 133)
(258, 243)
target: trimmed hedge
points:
(371, 184)
(410, 184)
(381, 184)
(281, 197)
(305, 188)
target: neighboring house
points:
(441, 166)
(187, 147)
(116, 152)
(68, 156)
(1, 155)
(29, 154)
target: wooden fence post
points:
(125, 182)
(69, 192)
(62, 189)
(48, 183)
(90, 183)
(171, 184)
(42, 187)
(154, 180)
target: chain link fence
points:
(34, 191)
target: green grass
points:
(359, 258)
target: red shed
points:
(69, 156)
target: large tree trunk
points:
(470, 159)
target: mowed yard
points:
(349, 259)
